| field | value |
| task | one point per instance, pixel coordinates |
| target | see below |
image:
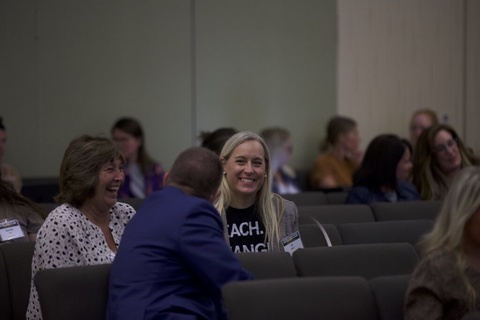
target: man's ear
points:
(165, 177)
(214, 196)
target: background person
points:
(176, 249)
(340, 156)
(143, 175)
(14, 206)
(88, 225)
(383, 174)
(246, 198)
(216, 139)
(421, 119)
(446, 282)
(439, 155)
(7, 172)
(279, 143)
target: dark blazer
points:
(363, 195)
(172, 261)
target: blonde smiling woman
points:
(254, 218)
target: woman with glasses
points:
(438, 156)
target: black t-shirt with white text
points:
(245, 230)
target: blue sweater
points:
(363, 195)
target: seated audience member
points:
(446, 281)
(7, 172)
(176, 245)
(279, 143)
(19, 213)
(421, 119)
(340, 156)
(143, 175)
(439, 155)
(216, 139)
(254, 218)
(383, 174)
(88, 225)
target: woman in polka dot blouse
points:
(88, 225)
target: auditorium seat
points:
(389, 293)
(307, 198)
(406, 210)
(336, 213)
(46, 208)
(134, 202)
(336, 197)
(474, 315)
(74, 293)
(267, 265)
(409, 231)
(15, 279)
(323, 298)
(312, 236)
(365, 260)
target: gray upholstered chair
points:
(312, 236)
(409, 231)
(15, 279)
(336, 197)
(389, 293)
(307, 198)
(73, 293)
(268, 265)
(406, 210)
(326, 298)
(365, 260)
(474, 315)
(336, 213)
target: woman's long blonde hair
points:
(461, 202)
(264, 201)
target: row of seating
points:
(61, 290)
(342, 282)
(410, 231)
(378, 211)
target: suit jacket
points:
(172, 261)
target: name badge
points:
(10, 230)
(292, 242)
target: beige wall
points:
(179, 66)
(398, 56)
(472, 69)
(185, 66)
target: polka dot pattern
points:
(67, 238)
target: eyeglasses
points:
(443, 147)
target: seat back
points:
(46, 208)
(136, 203)
(336, 197)
(474, 315)
(336, 213)
(406, 210)
(365, 260)
(409, 231)
(300, 299)
(307, 198)
(73, 293)
(268, 265)
(389, 293)
(312, 235)
(15, 278)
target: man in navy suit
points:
(173, 259)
